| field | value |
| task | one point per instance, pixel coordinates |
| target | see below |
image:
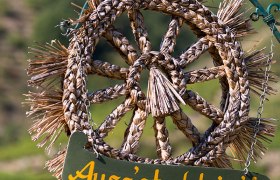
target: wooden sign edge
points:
(80, 161)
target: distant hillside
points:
(15, 31)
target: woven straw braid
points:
(107, 70)
(162, 141)
(184, 123)
(194, 52)
(112, 119)
(134, 131)
(202, 106)
(203, 75)
(75, 93)
(122, 44)
(107, 94)
(139, 30)
(169, 40)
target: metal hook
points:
(267, 16)
(66, 26)
(269, 9)
(85, 6)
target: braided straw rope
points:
(167, 87)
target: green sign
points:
(82, 164)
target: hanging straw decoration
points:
(63, 101)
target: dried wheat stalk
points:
(49, 60)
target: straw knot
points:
(162, 97)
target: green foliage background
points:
(15, 142)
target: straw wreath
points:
(61, 73)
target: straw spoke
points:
(107, 94)
(106, 69)
(184, 123)
(205, 74)
(112, 119)
(169, 40)
(162, 141)
(194, 52)
(203, 107)
(139, 30)
(121, 44)
(134, 131)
